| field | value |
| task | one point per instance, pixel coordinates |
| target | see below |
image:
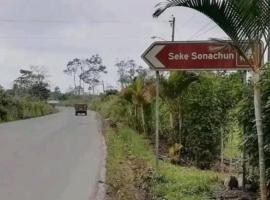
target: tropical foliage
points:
(246, 23)
(206, 101)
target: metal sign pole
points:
(157, 118)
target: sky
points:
(50, 33)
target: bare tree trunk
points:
(180, 122)
(180, 127)
(103, 86)
(222, 150)
(83, 88)
(74, 81)
(231, 156)
(135, 111)
(171, 120)
(80, 86)
(258, 117)
(244, 161)
(244, 140)
(136, 118)
(143, 120)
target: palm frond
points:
(241, 20)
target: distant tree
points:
(128, 70)
(56, 94)
(87, 71)
(57, 90)
(111, 92)
(23, 82)
(32, 83)
(72, 70)
(75, 69)
(40, 90)
(1, 91)
(92, 74)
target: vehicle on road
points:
(80, 108)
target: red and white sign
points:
(205, 55)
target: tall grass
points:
(15, 109)
(169, 182)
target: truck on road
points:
(80, 108)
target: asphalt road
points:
(56, 157)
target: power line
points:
(210, 29)
(200, 30)
(71, 21)
(187, 21)
(204, 29)
(69, 37)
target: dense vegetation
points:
(204, 116)
(21, 108)
(27, 98)
(246, 23)
(247, 119)
(195, 108)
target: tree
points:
(72, 69)
(172, 92)
(40, 85)
(56, 94)
(247, 119)
(128, 70)
(92, 75)
(246, 22)
(138, 94)
(23, 82)
(40, 90)
(76, 68)
(139, 99)
(33, 83)
(87, 71)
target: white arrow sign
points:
(150, 56)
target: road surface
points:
(56, 157)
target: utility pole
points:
(157, 118)
(103, 86)
(172, 22)
(244, 138)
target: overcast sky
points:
(50, 33)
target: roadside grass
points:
(129, 151)
(185, 183)
(232, 149)
(18, 109)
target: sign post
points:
(157, 118)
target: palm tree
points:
(139, 95)
(172, 92)
(246, 22)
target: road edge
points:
(100, 193)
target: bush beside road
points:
(131, 173)
(16, 109)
